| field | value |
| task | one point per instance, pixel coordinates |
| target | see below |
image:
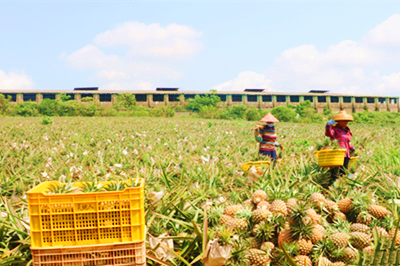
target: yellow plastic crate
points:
(77, 219)
(330, 158)
(110, 254)
(353, 161)
(259, 165)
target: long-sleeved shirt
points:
(342, 135)
(268, 137)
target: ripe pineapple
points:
(317, 233)
(268, 247)
(302, 260)
(369, 250)
(258, 257)
(391, 235)
(360, 240)
(291, 204)
(378, 211)
(382, 233)
(340, 240)
(279, 206)
(345, 205)
(315, 218)
(239, 224)
(323, 261)
(317, 199)
(249, 204)
(339, 216)
(357, 227)
(305, 246)
(351, 255)
(232, 209)
(338, 263)
(331, 206)
(284, 237)
(364, 218)
(264, 204)
(258, 196)
(260, 214)
(225, 219)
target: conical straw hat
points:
(343, 116)
(269, 118)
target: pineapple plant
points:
(62, 188)
(378, 211)
(345, 205)
(305, 246)
(302, 260)
(360, 240)
(279, 206)
(258, 196)
(357, 227)
(258, 257)
(340, 239)
(264, 231)
(231, 210)
(260, 214)
(92, 187)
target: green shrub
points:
(49, 107)
(252, 114)
(284, 113)
(87, 99)
(26, 109)
(125, 101)
(4, 104)
(46, 121)
(195, 104)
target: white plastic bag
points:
(215, 254)
(162, 252)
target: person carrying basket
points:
(340, 132)
(266, 136)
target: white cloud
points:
(153, 39)
(349, 66)
(386, 33)
(147, 54)
(15, 81)
(245, 80)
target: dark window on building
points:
(322, 99)
(370, 100)
(346, 99)
(141, 97)
(105, 97)
(267, 98)
(359, 99)
(51, 96)
(251, 98)
(173, 97)
(236, 98)
(334, 99)
(222, 97)
(309, 98)
(29, 97)
(158, 97)
(281, 98)
(189, 96)
(294, 99)
(83, 95)
(393, 100)
(12, 95)
(382, 100)
(71, 96)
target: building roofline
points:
(196, 92)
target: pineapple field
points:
(201, 208)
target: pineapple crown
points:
(244, 213)
(264, 231)
(337, 226)
(301, 231)
(298, 214)
(225, 235)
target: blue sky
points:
(351, 47)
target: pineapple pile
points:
(311, 228)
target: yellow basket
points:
(353, 161)
(77, 219)
(110, 254)
(259, 165)
(330, 158)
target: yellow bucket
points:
(353, 161)
(259, 165)
(330, 158)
